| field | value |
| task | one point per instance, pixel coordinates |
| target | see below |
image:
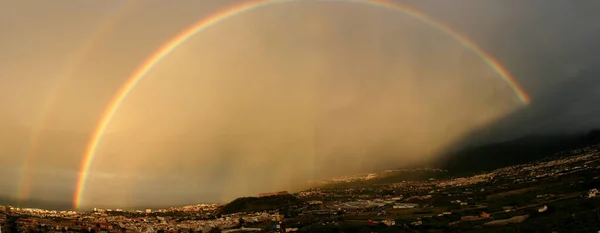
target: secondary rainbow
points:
(72, 66)
(232, 11)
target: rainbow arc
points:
(235, 10)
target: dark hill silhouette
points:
(254, 204)
(519, 151)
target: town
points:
(559, 193)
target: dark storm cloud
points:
(552, 49)
(569, 107)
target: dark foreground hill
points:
(255, 204)
(523, 150)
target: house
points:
(593, 193)
(315, 202)
(484, 215)
(389, 222)
(416, 223)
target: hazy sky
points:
(276, 96)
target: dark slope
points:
(255, 204)
(523, 150)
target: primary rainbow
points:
(227, 13)
(72, 66)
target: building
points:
(315, 202)
(484, 215)
(593, 193)
(389, 222)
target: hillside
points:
(255, 204)
(385, 177)
(473, 160)
(523, 150)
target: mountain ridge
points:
(506, 153)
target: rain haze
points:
(271, 98)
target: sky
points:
(277, 96)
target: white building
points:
(389, 222)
